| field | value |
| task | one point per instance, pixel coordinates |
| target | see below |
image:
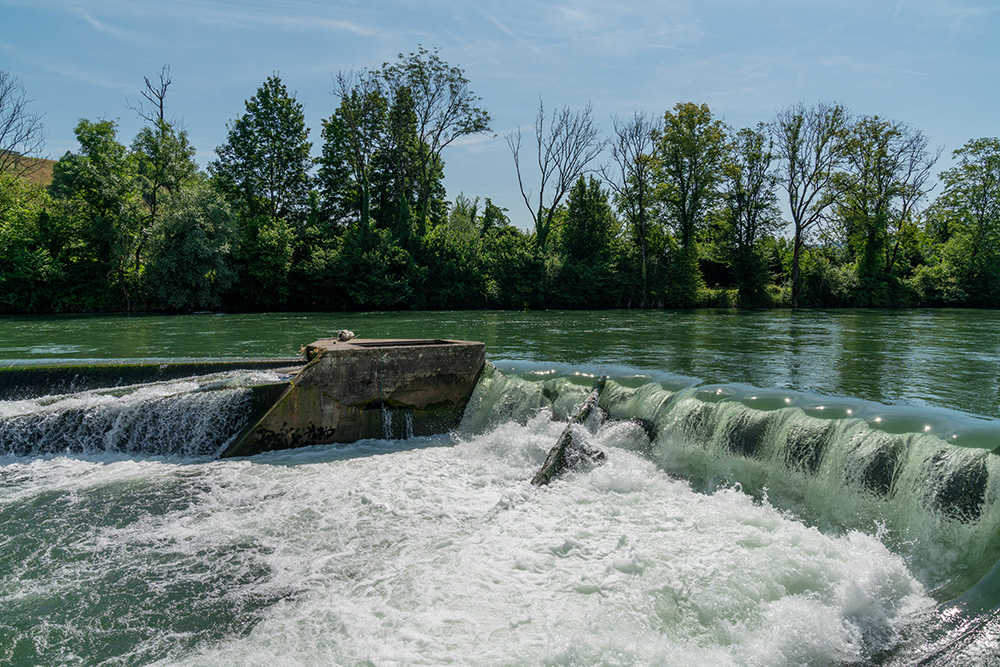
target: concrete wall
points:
(342, 394)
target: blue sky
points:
(933, 64)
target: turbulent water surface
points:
(777, 489)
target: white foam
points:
(431, 555)
(172, 417)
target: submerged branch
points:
(560, 454)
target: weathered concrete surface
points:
(340, 395)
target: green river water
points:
(943, 358)
(779, 488)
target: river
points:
(819, 489)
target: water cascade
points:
(840, 464)
(822, 530)
(926, 483)
(196, 416)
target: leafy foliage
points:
(686, 214)
(969, 212)
(191, 263)
(263, 168)
(589, 275)
(29, 269)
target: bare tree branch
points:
(21, 132)
(565, 148)
(155, 95)
(631, 178)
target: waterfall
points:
(839, 464)
(397, 424)
(189, 417)
(934, 501)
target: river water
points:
(813, 487)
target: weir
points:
(928, 481)
(24, 381)
(360, 388)
(340, 392)
(925, 484)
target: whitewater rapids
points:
(430, 551)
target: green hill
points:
(39, 170)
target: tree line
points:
(684, 210)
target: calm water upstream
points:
(944, 358)
(819, 488)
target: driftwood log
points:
(566, 451)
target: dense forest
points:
(666, 212)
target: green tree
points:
(399, 165)
(691, 150)
(690, 155)
(102, 180)
(191, 250)
(85, 281)
(810, 143)
(589, 270)
(263, 168)
(590, 224)
(352, 137)
(28, 271)
(969, 206)
(263, 260)
(165, 161)
(444, 109)
(750, 208)
(316, 248)
(514, 268)
(376, 272)
(337, 194)
(494, 217)
(452, 254)
(886, 169)
(464, 215)
(165, 158)
(110, 201)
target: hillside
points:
(40, 170)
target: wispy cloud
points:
(955, 17)
(475, 144)
(963, 17)
(82, 74)
(111, 31)
(292, 16)
(510, 33)
(860, 65)
(282, 15)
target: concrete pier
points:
(356, 389)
